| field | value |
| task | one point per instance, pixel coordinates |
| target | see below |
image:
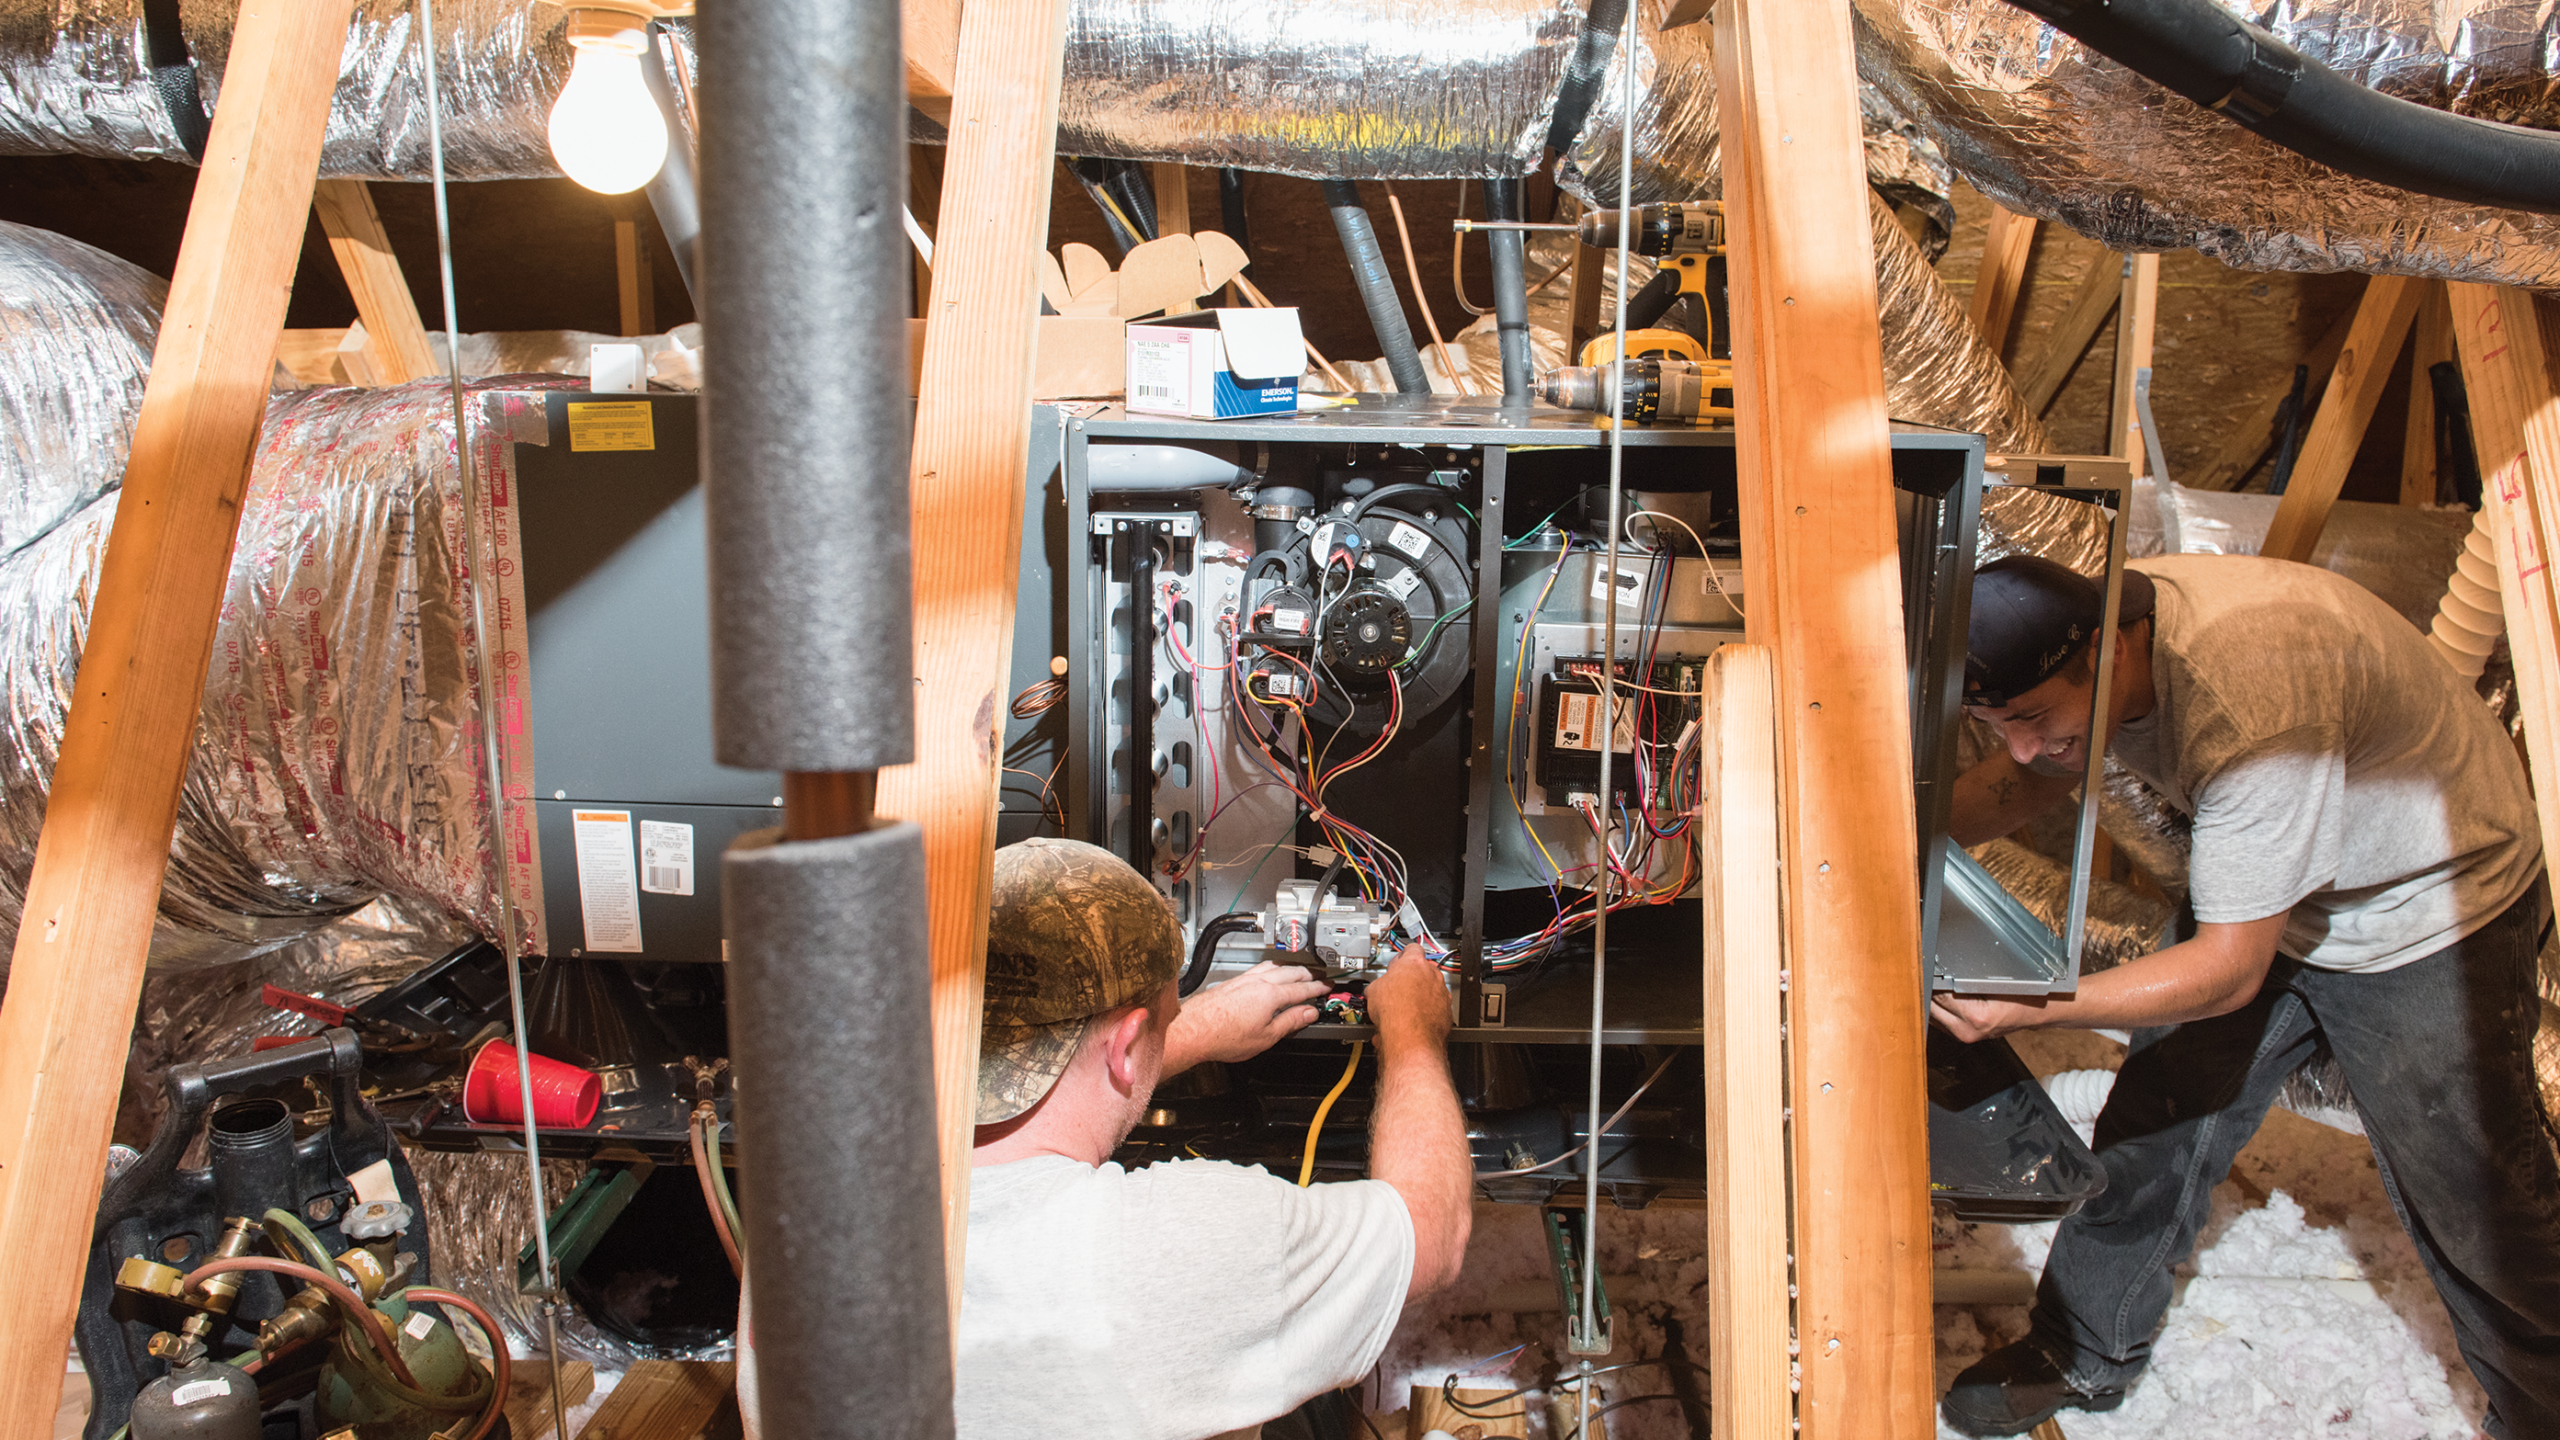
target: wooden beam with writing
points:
(2005, 248)
(1821, 560)
(2381, 327)
(972, 442)
(85, 929)
(2515, 427)
(2091, 304)
(389, 313)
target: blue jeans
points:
(2439, 1054)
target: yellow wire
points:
(1315, 1127)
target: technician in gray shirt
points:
(2366, 876)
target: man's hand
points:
(1410, 1001)
(1240, 1018)
(1975, 1018)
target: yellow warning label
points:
(610, 425)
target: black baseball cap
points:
(2030, 616)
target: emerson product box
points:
(1216, 364)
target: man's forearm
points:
(1418, 1143)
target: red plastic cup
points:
(564, 1096)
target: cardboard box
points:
(1216, 364)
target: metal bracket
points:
(1600, 1336)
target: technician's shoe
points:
(2014, 1389)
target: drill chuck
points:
(1652, 389)
(1690, 228)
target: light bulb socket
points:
(608, 28)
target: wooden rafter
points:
(2346, 408)
(2137, 313)
(396, 339)
(2431, 344)
(1817, 514)
(2005, 247)
(2255, 434)
(2090, 306)
(972, 442)
(85, 929)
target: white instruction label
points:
(1403, 585)
(1630, 586)
(196, 1392)
(420, 1325)
(1409, 539)
(608, 879)
(666, 857)
(1289, 622)
(1279, 686)
(1578, 722)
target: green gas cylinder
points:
(357, 1389)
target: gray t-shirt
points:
(1172, 1302)
(2334, 765)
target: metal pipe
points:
(1510, 248)
(675, 192)
(1377, 287)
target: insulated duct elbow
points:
(2223, 63)
(1377, 287)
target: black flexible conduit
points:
(1205, 949)
(1377, 287)
(1584, 73)
(1509, 249)
(2224, 63)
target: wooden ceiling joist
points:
(2091, 304)
(2255, 434)
(2005, 247)
(85, 930)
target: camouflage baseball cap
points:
(1075, 932)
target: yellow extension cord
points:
(1315, 1127)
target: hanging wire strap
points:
(1588, 1334)
(481, 565)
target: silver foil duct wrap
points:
(76, 329)
(1353, 88)
(337, 754)
(2123, 925)
(75, 79)
(2047, 128)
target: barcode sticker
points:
(666, 858)
(1155, 392)
(196, 1392)
(1289, 622)
(422, 1324)
(1403, 585)
(1409, 539)
(1280, 687)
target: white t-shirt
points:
(1172, 1302)
(2334, 765)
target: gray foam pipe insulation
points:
(805, 454)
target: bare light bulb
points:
(605, 130)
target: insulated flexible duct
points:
(1377, 287)
(2224, 63)
(76, 329)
